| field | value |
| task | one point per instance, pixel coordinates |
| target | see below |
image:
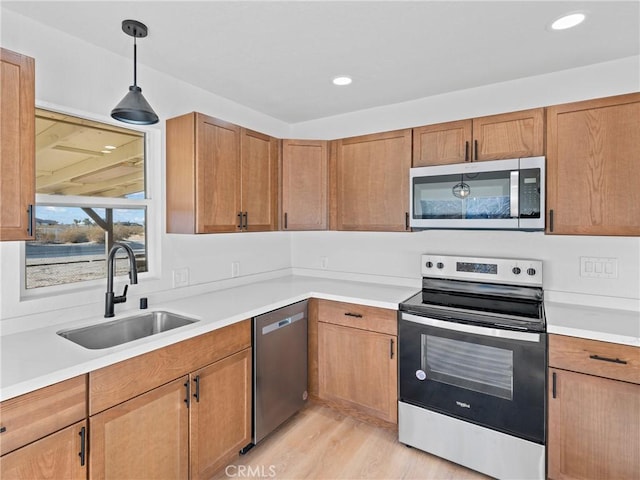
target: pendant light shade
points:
(134, 108)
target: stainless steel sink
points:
(125, 330)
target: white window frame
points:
(152, 165)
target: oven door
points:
(492, 377)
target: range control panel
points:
(493, 270)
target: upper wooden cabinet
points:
(304, 184)
(371, 182)
(17, 145)
(220, 177)
(442, 144)
(509, 135)
(592, 167)
(495, 137)
(259, 181)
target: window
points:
(90, 192)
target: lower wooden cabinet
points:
(594, 427)
(357, 364)
(220, 413)
(185, 427)
(61, 455)
(145, 437)
(593, 421)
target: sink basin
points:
(125, 330)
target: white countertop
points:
(597, 323)
(36, 358)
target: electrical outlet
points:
(324, 263)
(180, 277)
(235, 269)
(598, 267)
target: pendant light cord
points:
(135, 62)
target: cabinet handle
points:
(553, 384)
(286, 224)
(30, 220)
(187, 398)
(607, 359)
(239, 220)
(3, 429)
(83, 446)
(197, 394)
(551, 220)
(406, 220)
(246, 220)
(475, 150)
(466, 151)
(356, 315)
(391, 348)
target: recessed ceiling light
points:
(568, 21)
(105, 151)
(342, 80)
(109, 147)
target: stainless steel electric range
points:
(472, 365)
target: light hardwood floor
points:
(322, 443)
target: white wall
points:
(599, 80)
(394, 257)
(92, 80)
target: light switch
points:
(598, 267)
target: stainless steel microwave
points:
(499, 194)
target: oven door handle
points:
(473, 329)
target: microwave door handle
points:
(514, 184)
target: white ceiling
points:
(279, 57)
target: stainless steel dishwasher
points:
(279, 366)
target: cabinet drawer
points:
(364, 317)
(604, 359)
(36, 414)
(117, 383)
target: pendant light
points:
(134, 108)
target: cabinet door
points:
(509, 135)
(218, 175)
(259, 181)
(59, 455)
(594, 427)
(442, 144)
(592, 167)
(145, 437)
(372, 182)
(304, 184)
(17, 145)
(220, 413)
(359, 368)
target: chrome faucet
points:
(111, 299)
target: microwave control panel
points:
(530, 193)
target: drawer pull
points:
(355, 315)
(553, 385)
(607, 359)
(3, 429)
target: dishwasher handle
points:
(282, 323)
